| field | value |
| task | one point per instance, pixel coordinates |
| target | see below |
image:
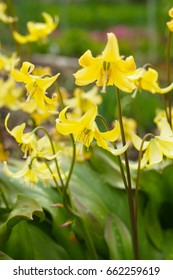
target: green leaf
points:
(168, 245)
(153, 226)
(28, 242)
(118, 239)
(4, 256)
(25, 208)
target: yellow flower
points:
(8, 62)
(33, 170)
(170, 23)
(147, 79)
(130, 126)
(9, 94)
(38, 30)
(82, 101)
(156, 148)
(27, 141)
(3, 17)
(36, 86)
(85, 130)
(107, 69)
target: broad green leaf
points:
(29, 242)
(25, 208)
(118, 239)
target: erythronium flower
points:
(109, 68)
(3, 16)
(33, 170)
(82, 100)
(147, 79)
(28, 141)
(170, 23)
(38, 30)
(36, 86)
(85, 130)
(8, 62)
(156, 147)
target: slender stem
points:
(168, 76)
(60, 95)
(53, 151)
(119, 158)
(13, 26)
(129, 185)
(138, 173)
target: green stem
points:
(168, 76)
(138, 173)
(13, 26)
(53, 151)
(119, 158)
(129, 185)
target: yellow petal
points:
(45, 83)
(20, 38)
(17, 131)
(88, 74)
(119, 151)
(113, 134)
(137, 142)
(86, 59)
(155, 154)
(111, 51)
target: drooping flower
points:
(156, 147)
(27, 141)
(147, 79)
(37, 30)
(109, 68)
(170, 23)
(3, 16)
(85, 130)
(33, 170)
(7, 62)
(82, 101)
(36, 86)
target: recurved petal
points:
(137, 142)
(21, 39)
(17, 131)
(45, 83)
(119, 151)
(86, 59)
(111, 135)
(19, 173)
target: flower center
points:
(105, 75)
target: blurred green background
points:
(139, 25)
